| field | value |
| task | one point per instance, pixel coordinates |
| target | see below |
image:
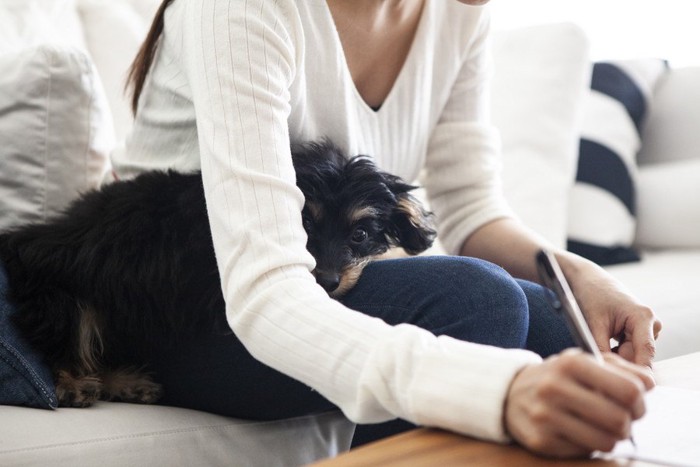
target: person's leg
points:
(215, 373)
(484, 319)
(547, 333)
(464, 298)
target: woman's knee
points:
(465, 298)
(498, 307)
(484, 287)
(548, 333)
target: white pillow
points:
(668, 204)
(27, 23)
(114, 31)
(55, 132)
(541, 76)
(671, 132)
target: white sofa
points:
(540, 90)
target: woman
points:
(226, 85)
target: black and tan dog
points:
(137, 255)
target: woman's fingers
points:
(549, 443)
(583, 436)
(646, 330)
(600, 329)
(572, 405)
(644, 373)
(613, 382)
(589, 409)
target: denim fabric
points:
(465, 298)
(24, 377)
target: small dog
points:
(137, 255)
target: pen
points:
(563, 301)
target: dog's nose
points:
(328, 280)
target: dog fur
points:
(137, 255)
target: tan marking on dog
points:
(350, 276)
(130, 385)
(315, 210)
(90, 345)
(362, 213)
(414, 210)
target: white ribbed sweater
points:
(234, 81)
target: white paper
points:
(669, 432)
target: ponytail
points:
(144, 58)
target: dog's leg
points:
(67, 332)
(78, 383)
(77, 391)
(130, 385)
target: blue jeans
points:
(464, 298)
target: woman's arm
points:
(462, 179)
(610, 310)
(241, 59)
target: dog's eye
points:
(359, 235)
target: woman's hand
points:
(571, 405)
(611, 312)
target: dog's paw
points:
(73, 391)
(128, 385)
(144, 391)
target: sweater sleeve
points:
(463, 165)
(241, 57)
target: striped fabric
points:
(602, 211)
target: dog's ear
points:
(412, 227)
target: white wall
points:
(617, 29)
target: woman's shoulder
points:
(459, 21)
(277, 12)
(292, 20)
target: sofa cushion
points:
(540, 78)
(602, 206)
(55, 131)
(112, 434)
(24, 377)
(114, 31)
(671, 133)
(669, 205)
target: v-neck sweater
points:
(233, 83)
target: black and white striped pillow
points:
(602, 211)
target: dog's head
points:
(353, 213)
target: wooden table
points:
(425, 447)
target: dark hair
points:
(144, 58)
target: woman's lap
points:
(462, 297)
